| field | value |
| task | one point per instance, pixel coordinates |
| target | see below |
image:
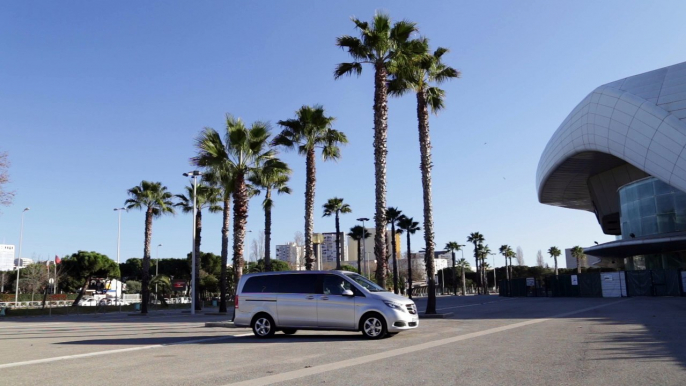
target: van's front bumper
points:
(401, 321)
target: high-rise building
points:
(23, 262)
(328, 247)
(369, 245)
(6, 257)
(292, 254)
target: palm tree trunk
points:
(338, 243)
(198, 231)
(395, 260)
(409, 266)
(578, 266)
(310, 182)
(476, 269)
(454, 276)
(145, 282)
(464, 283)
(268, 232)
(380, 152)
(225, 253)
(425, 166)
(80, 295)
(240, 218)
(555, 257)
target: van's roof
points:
(293, 272)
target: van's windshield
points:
(364, 282)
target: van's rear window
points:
(260, 284)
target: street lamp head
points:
(26, 209)
(160, 245)
(194, 173)
(118, 209)
(362, 219)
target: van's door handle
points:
(310, 297)
(325, 298)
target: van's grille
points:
(412, 309)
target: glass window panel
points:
(662, 188)
(666, 223)
(680, 223)
(647, 206)
(622, 195)
(648, 226)
(645, 189)
(665, 203)
(635, 227)
(631, 193)
(680, 202)
(298, 284)
(633, 212)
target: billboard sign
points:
(179, 286)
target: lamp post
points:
(157, 267)
(364, 240)
(21, 238)
(195, 174)
(118, 210)
(495, 283)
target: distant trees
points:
(554, 252)
(539, 259)
(85, 265)
(520, 256)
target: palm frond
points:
(347, 69)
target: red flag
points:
(57, 259)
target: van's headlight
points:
(394, 305)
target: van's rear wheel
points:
(263, 326)
(289, 331)
(373, 326)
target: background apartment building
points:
(369, 245)
(292, 254)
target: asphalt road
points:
(487, 341)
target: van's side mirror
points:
(347, 293)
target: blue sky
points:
(97, 96)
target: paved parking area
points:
(487, 341)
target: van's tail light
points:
(235, 301)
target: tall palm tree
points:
(421, 73)
(484, 251)
(454, 246)
(409, 226)
(476, 238)
(578, 254)
(554, 252)
(358, 233)
(503, 251)
(392, 216)
(243, 151)
(208, 197)
(269, 179)
(309, 131)
(510, 255)
(463, 264)
(155, 200)
(383, 45)
(334, 207)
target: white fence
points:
(613, 284)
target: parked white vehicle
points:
(117, 302)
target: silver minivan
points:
(320, 300)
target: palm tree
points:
(208, 197)
(243, 152)
(511, 254)
(335, 206)
(484, 251)
(309, 131)
(453, 247)
(156, 201)
(409, 226)
(383, 45)
(270, 179)
(392, 216)
(463, 264)
(358, 233)
(555, 253)
(578, 254)
(503, 251)
(476, 238)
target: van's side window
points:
(298, 284)
(261, 284)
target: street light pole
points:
(195, 174)
(21, 238)
(118, 210)
(157, 267)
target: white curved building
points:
(620, 154)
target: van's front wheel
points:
(373, 326)
(263, 326)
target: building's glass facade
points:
(650, 207)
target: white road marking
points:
(109, 352)
(287, 376)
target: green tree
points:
(334, 207)
(206, 197)
(503, 251)
(409, 226)
(463, 264)
(155, 200)
(309, 131)
(349, 268)
(132, 268)
(392, 216)
(358, 233)
(260, 266)
(133, 287)
(383, 45)
(244, 151)
(454, 246)
(84, 265)
(476, 238)
(554, 252)
(160, 285)
(484, 251)
(269, 179)
(578, 254)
